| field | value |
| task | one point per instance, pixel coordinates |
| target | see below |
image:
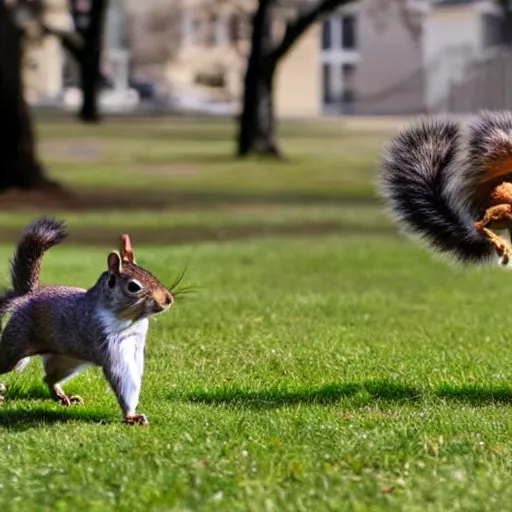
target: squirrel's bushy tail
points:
(488, 160)
(37, 238)
(415, 182)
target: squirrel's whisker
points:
(178, 280)
(187, 290)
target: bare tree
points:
(257, 121)
(89, 18)
(20, 166)
(84, 43)
(19, 20)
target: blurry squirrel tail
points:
(415, 181)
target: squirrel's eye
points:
(134, 287)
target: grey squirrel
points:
(70, 328)
(451, 185)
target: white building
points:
(391, 60)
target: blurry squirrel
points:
(70, 328)
(451, 185)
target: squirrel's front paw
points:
(136, 419)
(68, 400)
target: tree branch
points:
(296, 28)
(71, 41)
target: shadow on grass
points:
(324, 395)
(122, 199)
(92, 236)
(25, 417)
(475, 394)
(40, 416)
(108, 198)
(42, 411)
(35, 392)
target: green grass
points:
(360, 215)
(183, 155)
(350, 374)
(349, 371)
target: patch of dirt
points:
(55, 201)
(127, 199)
(19, 200)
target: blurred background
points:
(325, 363)
(322, 361)
(214, 119)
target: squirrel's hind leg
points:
(59, 369)
(13, 356)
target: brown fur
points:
(487, 175)
(498, 172)
(501, 194)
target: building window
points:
(492, 31)
(190, 29)
(326, 35)
(326, 84)
(348, 32)
(348, 72)
(211, 30)
(221, 30)
(235, 29)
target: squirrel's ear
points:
(127, 255)
(115, 265)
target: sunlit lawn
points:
(338, 370)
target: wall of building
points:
(452, 39)
(298, 88)
(389, 76)
(218, 42)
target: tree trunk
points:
(257, 121)
(264, 141)
(90, 62)
(19, 165)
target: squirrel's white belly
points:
(116, 329)
(124, 342)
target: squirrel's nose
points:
(162, 299)
(169, 299)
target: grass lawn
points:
(343, 369)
